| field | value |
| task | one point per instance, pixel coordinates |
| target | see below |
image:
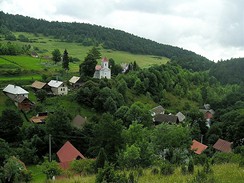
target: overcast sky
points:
(212, 28)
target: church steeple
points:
(104, 63)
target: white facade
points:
(58, 87)
(102, 71)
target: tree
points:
(56, 55)
(15, 171)
(5, 151)
(58, 125)
(107, 134)
(10, 123)
(41, 95)
(65, 60)
(101, 159)
(87, 68)
(50, 168)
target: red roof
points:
(223, 145)
(104, 59)
(198, 147)
(98, 67)
(68, 153)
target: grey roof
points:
(180, 116)
(158, 110)
(16, 90)
(78, 121)
(159, 118)
(74, 79)
(55, 83)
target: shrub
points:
(220, 157)
(84, 166)
(241, 163)
(155, 171)
(200, 159)
(184, 169)
(108, 174)
(191, 166)
(167, 169)
(202, 177)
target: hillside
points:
(229, 71)
(89, 35)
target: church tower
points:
(105, 63)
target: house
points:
(78, 121)
(68, 153)
(198, 147)
(157, 110)
(39, 118)
(159, 118)
(223, 146)
(58, 87)
(19, 96)
(38, 85)
(180, 116)
(75, 82)
(102, 71)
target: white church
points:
(102, 71)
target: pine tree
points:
(65, 60)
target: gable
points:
(68, 153)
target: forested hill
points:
(229, 71)
(95, 35)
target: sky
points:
(211, 28)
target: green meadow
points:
(45, 45)
(222, 173)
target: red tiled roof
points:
(104, 59)
(223, 145)
(198, 147)
(98, 67)
(68, 153)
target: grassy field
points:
(224, 173)
(45, 46)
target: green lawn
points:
(46, 45)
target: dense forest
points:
(120, 133)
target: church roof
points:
(104, 59)
(98, 67)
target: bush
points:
(155, 171)
(241, 163)
(200, 159)
(84, 166)
(220, 158)
(191, 166)
(167, 169)
(184, 169)
(108, 174)
(202, 177)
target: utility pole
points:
(50, 148)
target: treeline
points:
(229, 71)
(95, 35)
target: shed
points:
(180, 116)
(198, 147)
(223, 146)
(67, 153)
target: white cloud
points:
(211, 28)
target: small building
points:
(68, 153)
(38, 85)
(223, 146)
(157, 110)
(180, 116)
(166, 118)
(19, 96)
(75, 82)
(39, 118)
(78, 121)
(198, 147)
(103, 70)
(58, 87)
